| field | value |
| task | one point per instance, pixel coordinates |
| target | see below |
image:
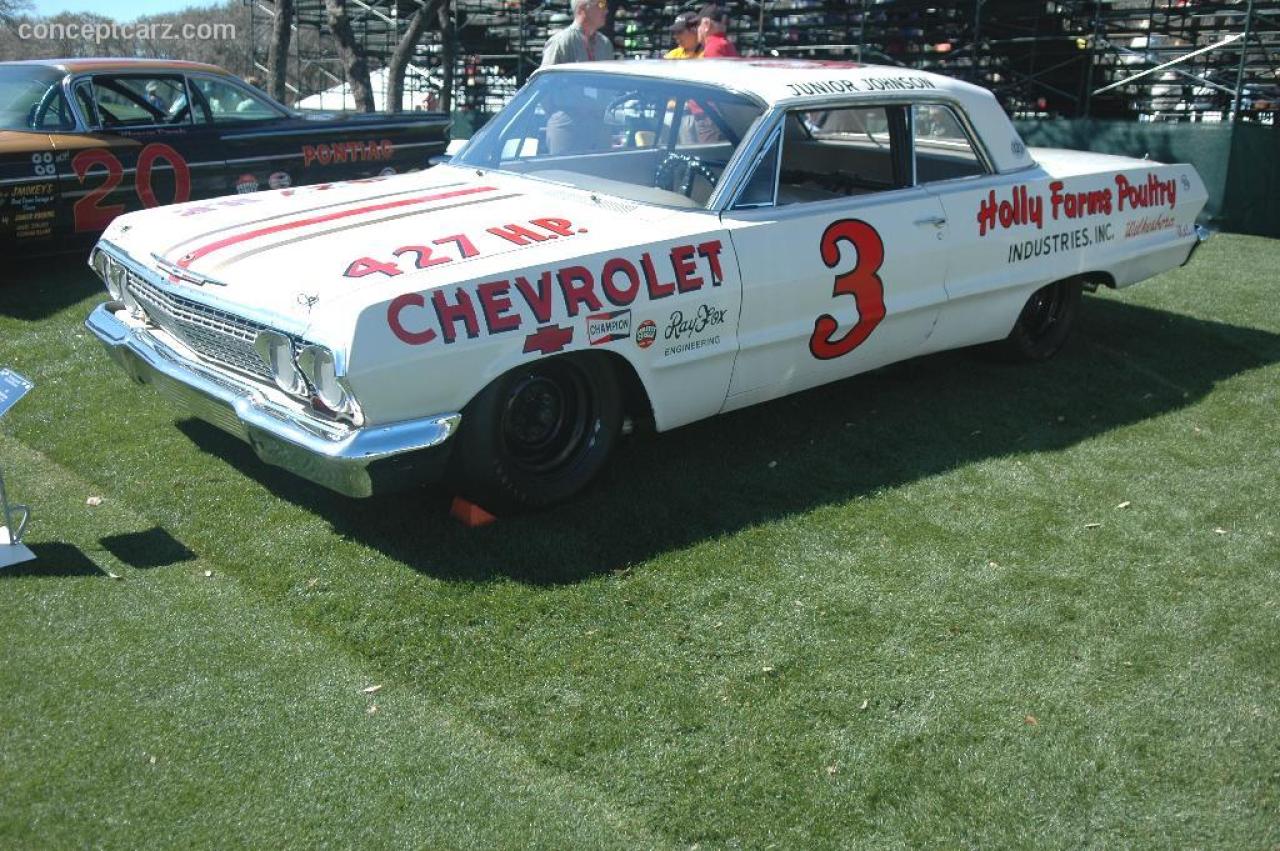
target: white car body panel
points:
(712, 309)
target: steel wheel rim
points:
(546, 418)
(1044, 310)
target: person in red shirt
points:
(712, 22)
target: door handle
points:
(936, 221)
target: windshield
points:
(652, 140)
(31, 99)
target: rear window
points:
(31, 99)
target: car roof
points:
(90, 64)
(783, 81)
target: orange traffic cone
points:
(470, 514)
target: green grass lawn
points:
(877, 614)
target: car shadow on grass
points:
(819, 448)
(33, 289)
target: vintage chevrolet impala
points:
(659, 240)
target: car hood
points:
(281, 254)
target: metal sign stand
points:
(13, 518)
(13, 522)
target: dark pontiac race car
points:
(85, 140)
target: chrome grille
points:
(215, 335)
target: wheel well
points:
(1093, 280)
(635, 398)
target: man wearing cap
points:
(685, 32)
(712, 23)
(582, 40)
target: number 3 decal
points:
(861, 282)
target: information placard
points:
(12, 388)
(13, 518)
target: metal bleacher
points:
(1173, 60)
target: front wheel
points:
(539, 434)
(1045, 322)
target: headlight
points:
(98, 263)
(113, 275)
(276, 351)
(318, 365)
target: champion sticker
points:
(608, 327)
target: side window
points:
(84, 97)
(837, 153)
(759, 189)
(230, 103)
(942, 148)
(141, 101)
(55, 112)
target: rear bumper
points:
(353, 461)
(1202, 236)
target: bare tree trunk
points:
(351, 53)
(278, 55)
(11, 9)
(448, 56)
(422, 16)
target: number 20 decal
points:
(861, 282)
(92, 215)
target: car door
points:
(252, 132)
(842, 258)
(143, 149)
(986, 281)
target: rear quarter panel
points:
(324, 148)
(1011, 234)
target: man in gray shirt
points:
(582, 40)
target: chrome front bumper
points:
(353, 461)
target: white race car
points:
(659, 240)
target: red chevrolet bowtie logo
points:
(548, 339)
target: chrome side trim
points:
(347, 128)
(332, 454)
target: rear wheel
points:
(539, 434)
(1045, 323)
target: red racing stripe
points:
(193, 256)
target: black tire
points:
(539, 434)
(1045, 323)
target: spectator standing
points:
(685, 32)
(582, 40)
(712, 23)
(153, 97)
